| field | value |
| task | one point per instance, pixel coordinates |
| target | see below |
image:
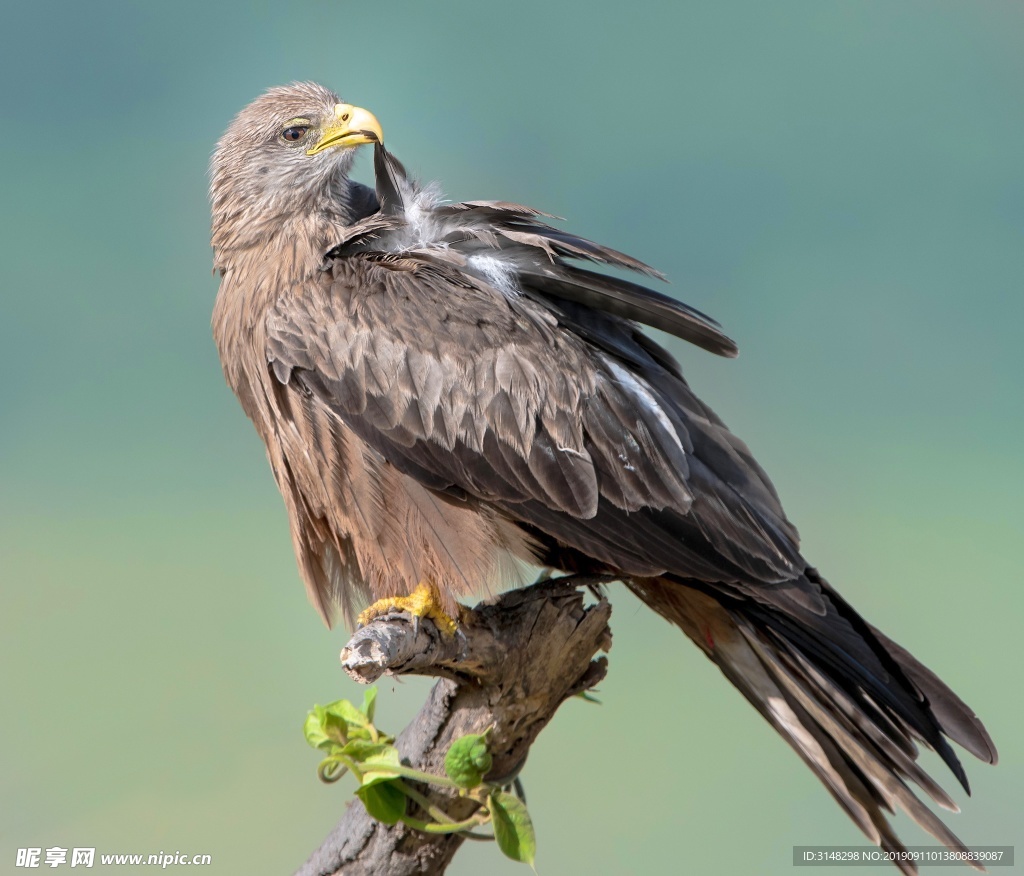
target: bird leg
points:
(424, 601)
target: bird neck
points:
(289, 224)
(287, 248)
(260, 261)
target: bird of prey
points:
(447, 390)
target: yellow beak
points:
(352, 126)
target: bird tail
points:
(851, 702)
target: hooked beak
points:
(352, 126)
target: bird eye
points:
(294, 133)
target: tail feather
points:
(956, 718)
(860, 749)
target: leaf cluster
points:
(352, 743)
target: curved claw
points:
(424, 601)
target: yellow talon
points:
(424, 601)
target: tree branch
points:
(514, 661)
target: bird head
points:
(288, 153)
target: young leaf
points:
(341, 721)
(379, 767)
(370, 703)
(314, 731)
(512, 827)
(361, 750)
(383, 800)
(468, 760)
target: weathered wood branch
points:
(515, 660)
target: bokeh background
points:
(840, 183)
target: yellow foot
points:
(422, 602)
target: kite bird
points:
(445, 394)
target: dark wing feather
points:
(487, 414)
(538, 251)
(362, 201)
(569, 432)
(629, 301)
(501, 403)
(392, 181)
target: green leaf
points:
(314, 731)
(345, 711)
(347, 720)
(512, 827)
(468, 760)
(335, 728)
(379, 767)
(360, 750)
(337, 723)
(383, 800)
(370, 703)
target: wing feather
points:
(474, 393)
(538, 396)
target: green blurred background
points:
(840, 183)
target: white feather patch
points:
(643, 395)
(500, 274)
(424, 229)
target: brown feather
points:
(445, 395)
